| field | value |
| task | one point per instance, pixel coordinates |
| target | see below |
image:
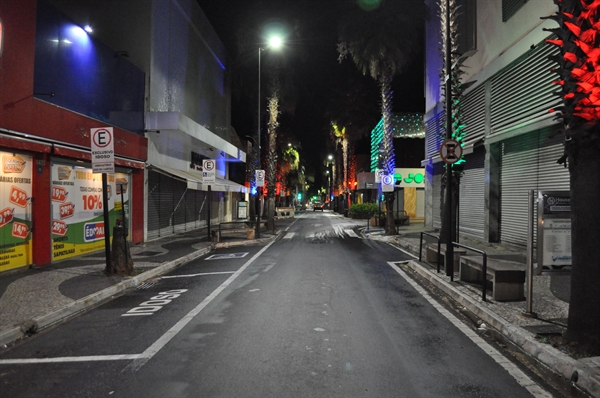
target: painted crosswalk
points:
(335, 232)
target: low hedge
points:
(364, 210)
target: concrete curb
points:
(578, 372)
(9, 336)
(250, 242)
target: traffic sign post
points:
(451, 151)
(103, 161)
(209, 175)
(387, 183)
(103, 150)
(260, 178)
(260, 182)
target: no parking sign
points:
(387, 183)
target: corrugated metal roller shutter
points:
(528, 162)
(180, 205)
(434, 130)
(472, 195)
(473, 110)
(153, 204)
(437, 195)
(524, 91)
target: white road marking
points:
(203, 274)
(226, 256)
(511, 368)
(351, 233)
(171, 333)
(310, 236)
(289, 235)
(90, 358)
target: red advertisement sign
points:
(18, 196)
(6, 216)
(59, 194)
(67, 210)
(59, 228)
(20, 230)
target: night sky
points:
(309, 70)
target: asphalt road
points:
(318, 313)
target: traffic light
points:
(299, 195)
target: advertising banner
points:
(15, 210)
(77, 213)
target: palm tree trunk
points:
(387, 144)
(584, 305)
(273, 108)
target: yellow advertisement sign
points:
(15, 210)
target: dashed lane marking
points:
(203, 274)
(289, 235)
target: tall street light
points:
(275, 42)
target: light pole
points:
(275, 42)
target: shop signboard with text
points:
(15, 210)
(77, 209)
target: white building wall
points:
(498, 43)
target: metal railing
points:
(438, 248)
(484, 267)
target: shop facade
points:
(55, 86)
(512, 142)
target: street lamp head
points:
(275, 42)
(329, 157)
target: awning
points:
(194, 180)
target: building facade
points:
(512, 142)
(155, 72)
(56, 85)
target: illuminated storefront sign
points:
(77, 213)
(15, 210)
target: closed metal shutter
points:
(434, 131)
(438, 171)
(472, 195)
(523, 91)
(166, 205)
(528, 162)
(473, 113)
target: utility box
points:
(554, 230)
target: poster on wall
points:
(77, 212)
(15, 210)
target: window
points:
(510, 8)
(467, 24)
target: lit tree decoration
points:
(579, 64)
(456, 72)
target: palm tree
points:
(272, 124)
(381, 42)
(579, 87)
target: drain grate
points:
(148, 284)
